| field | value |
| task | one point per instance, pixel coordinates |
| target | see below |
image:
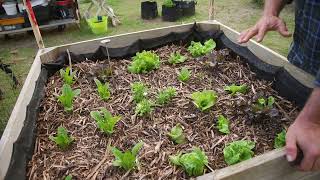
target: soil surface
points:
(89, 156)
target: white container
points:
(21, 7)
(10, 8)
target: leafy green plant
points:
(176, 134)
(184, 75)
(233, 89)
(139, 91)
(197, 49)
(67, 96)
(128, 159)
(280, 140)
(144, 62)
(166, 95)
(144, 107)
(223, 124)
(263, 104)
(205, 99)
(168, 3)
(103, 89)
(176, 58)
(67, 76)
(62, 139)
(105, 120)
(193, 163)
(238, 151)
(69, 177)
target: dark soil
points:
(89, 157)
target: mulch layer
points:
(89, 156)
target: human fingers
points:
(308, 161)
(242, 35)
(283, 30)
(261, 33)
(291, 146)
(316, 166)
(251, 32)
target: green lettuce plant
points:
(280, 140)
(144, 62)
(67, 96)
(238, 151)
(103, 90)
(176, 58)
(184, 75)
(128, 159)
(196, 49)
(176, 134)
(223, 124)
(63, 140)
(168, 3)
(144, 107)
(204, 99)
(166, 95)
(105, 120)
(233, 89)
(67, 76)
(264, 104)
(139, 91)
(193, 163)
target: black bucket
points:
(188, 8)
(149, 10)
(171, 14)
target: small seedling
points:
(197, 49)
(144, 107)
(193, 163)
(69, 177)
(223, 124)
(62, 139)
(184, 75)
(139, 91)
(67, 76)
(105, 120)
(233, 89)
(205, 99)
(67, 96)
(166, 95)
(238, 151)
(168, 3)
(176, 58)
(264, 104)
(103, 90)
(127, 160)
(280, 140)
(176, 134)
(144, 62)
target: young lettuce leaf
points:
(139, 91)
(238, 151)
(223, 124)
(128, 159)
(144, 62)
(280, 140)
(193, 163)
(264, 104)
(103, 90)
(144, 107)
(67, 96)
(176, 58)
(176, 134)
(67, 76)
(69, 177)
(205, 99)
(105, 120)
(62, 139)
(196, 49)
(166, 95)
(233, 89)
(184, 75)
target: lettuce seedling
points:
(176, 58)
(176, 134)
(233, 89)
(105, 120)
(197, 49)
(184, 75)
(144, 62)
(69, 177)
(264, 104)
(103, 90)
(205, 99)
(280, 140)
(66, 98)
(238, 151)
(62, 139)
(166, 95)
(193, 163)
(128, 159)
(139, 91)
(168, 3)
(223, 124)
(144, 107)
(67, 76)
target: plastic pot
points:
(188, 8)
(170, 14)
(98, 26)
(149, 10)
(10, 8)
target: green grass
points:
(19, 51)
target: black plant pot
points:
(188, 8)
(149, 10)
(170, 14)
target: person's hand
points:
(266, 23)
(305, 132)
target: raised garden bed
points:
(89, 155)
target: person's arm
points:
(305, 133)
(269, 21)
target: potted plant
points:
(149, 9)
(187, 7)
(170, 12)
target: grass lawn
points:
(19, 51)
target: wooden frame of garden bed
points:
(271, 165)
